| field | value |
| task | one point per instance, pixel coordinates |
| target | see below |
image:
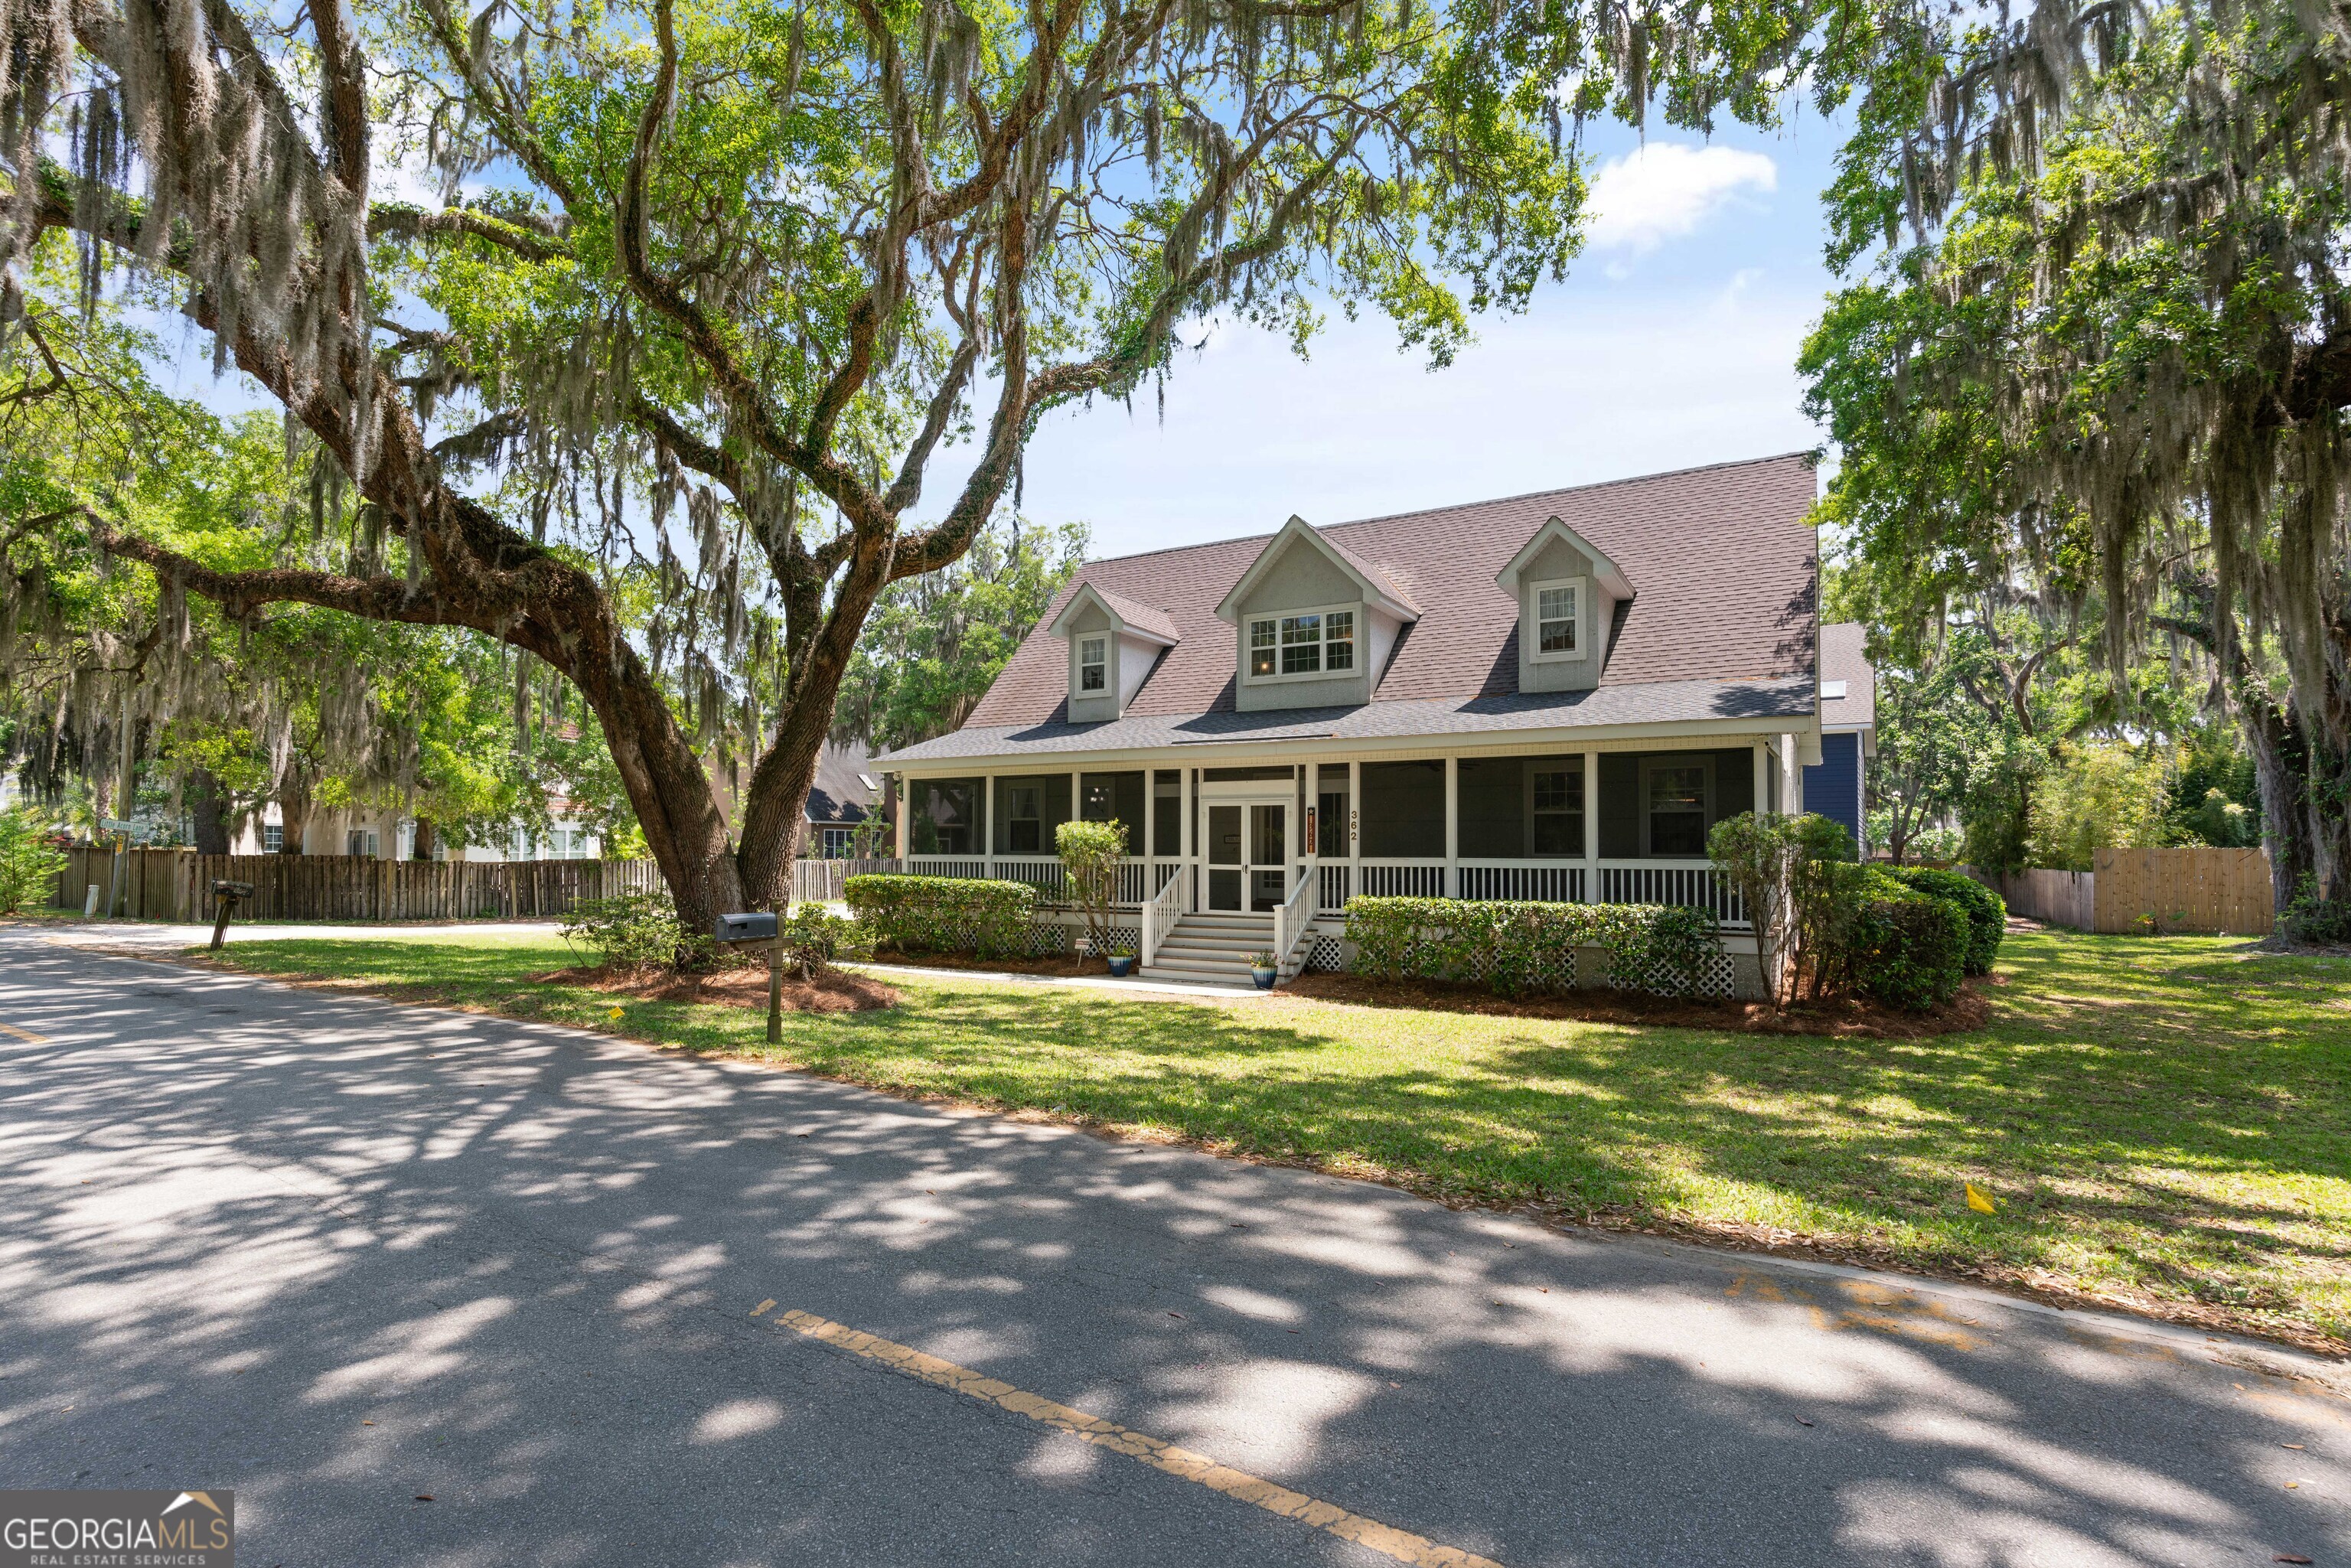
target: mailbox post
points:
(760, 925)
(226, 895)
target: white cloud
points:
(1665, 190)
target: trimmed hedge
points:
(1986, 916)
(943, 913)
(1905, 949)
(1518, 948)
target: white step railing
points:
(1161, 913)
(1291, 922)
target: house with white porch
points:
(1551, 697)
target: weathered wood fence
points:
(824, 881)
(176, 884)
(2186, 889)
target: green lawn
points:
(2165, 1122)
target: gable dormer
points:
(1312, 624)
(1568, 591)
(1115, 643)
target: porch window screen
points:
(1167, 813)
(944, 819)
(1522, 807)
(1403, 809)
(1094, 664)
(1675, 795)
(1112, 797)
(1027, 812)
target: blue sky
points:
(1671, 343)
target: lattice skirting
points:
(1048, 937)
(1571, 968)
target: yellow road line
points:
(25, 1034)
(1401, 1544)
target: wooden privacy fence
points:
(176, 884)
(824, 881)
(2190, 890)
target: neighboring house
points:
(381, 835)
(1832, 787)
(846, 793)
(1551, 697)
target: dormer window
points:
(1094, 664)
(1311, 643)
(1558, 617)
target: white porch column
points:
(987, 826)
(1592, 827)
(905, 814)
(1354, 828)
(1792, 776)
(1762, 778)
(1191, 822)
(1452, 826)
(1150, 817)
(1310, 849)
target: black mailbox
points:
(758, 926)
(232, 889)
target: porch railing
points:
(1650, 882)
(1401, 879)
(1533, 882)
(1163, 910)
(946, 865)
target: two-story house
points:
(1551, 697)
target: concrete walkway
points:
(603, 1304)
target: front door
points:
(1248, 854)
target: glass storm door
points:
(1268, 848)
(1226, 873)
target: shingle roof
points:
(1722, 559)
(1137, 614)
(1842, 658)
(1668, 702)
(839, 793)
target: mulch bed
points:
(1851, 1018)
(1052, 964)
(831, 991)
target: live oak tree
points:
(733, 275)
(2100, 353)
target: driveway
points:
(607, 1305)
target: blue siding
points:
(1833, 788)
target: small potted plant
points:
(1122, 961)
(1263, 968)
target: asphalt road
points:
(332, 1254)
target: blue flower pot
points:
(1264, 978)
(1120, 969)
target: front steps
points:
(1212, 947)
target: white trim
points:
(1354, 641)
(1087, 593)
(1579, 623)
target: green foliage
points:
(813, 936)
(1778, 864)
(1986, 914)
(2319, 921)
(934, 644)
(1519, 950)
(943, 913)
(1091, 853)
(29, 862)
(2214, 798)
(2104, 795)
(634, 929)
(1905, 949)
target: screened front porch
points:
(1616, 827)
